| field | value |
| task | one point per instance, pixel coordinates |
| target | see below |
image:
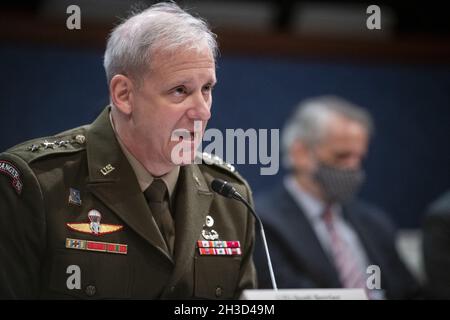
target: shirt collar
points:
(144, 177)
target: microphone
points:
(227, 190)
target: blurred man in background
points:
(319, 235)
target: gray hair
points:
(162, 26)
(310, 119)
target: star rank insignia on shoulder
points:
(55, 144)
(216, 160)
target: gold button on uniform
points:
(219, 292)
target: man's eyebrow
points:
(175, 83)
(212, 80)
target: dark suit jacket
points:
(37, 259)
(436, 248)
(299, 260)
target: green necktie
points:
(157, 198)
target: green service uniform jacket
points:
(49, 247)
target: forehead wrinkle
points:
(182, 76)
(172, 59)
(182, 66)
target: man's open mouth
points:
(186, 135)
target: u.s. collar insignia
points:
(94, 227)
(107, 169)
(208, 233)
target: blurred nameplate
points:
(304, 294)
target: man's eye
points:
(208, 88)
(179, 90)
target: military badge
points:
(96, 246)
(218, 244)
(74, 197)
(94, 226)
(107, 169)
(219, 248)
(208, 233)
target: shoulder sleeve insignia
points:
(7, 168)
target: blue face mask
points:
(339, 185)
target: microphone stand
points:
(238, 197)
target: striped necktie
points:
(349, 270)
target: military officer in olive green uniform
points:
(106, 210)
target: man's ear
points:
(120, 89)
(300, 155)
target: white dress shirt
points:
(313, 209)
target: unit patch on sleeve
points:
(7, 168)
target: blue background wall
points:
(44, 90)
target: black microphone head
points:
(223, 188)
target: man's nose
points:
(353, 162)
(201, 108)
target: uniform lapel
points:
(116, 185)
(193, 201)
